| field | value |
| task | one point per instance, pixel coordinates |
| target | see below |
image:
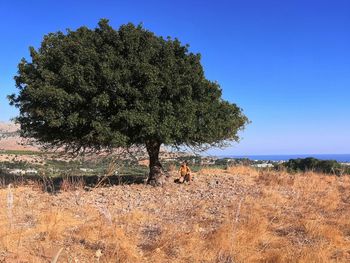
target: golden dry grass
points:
(234, 215)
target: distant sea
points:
(343, 158)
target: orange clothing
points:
(184, 170)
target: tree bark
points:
(156, 175)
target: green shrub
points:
(313, 164)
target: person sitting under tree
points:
(185, 173)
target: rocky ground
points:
(237, 215)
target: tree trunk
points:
(156, 174)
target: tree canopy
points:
(104, 88)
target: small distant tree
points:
(106, 88)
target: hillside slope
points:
(10, 139)
(235, 215)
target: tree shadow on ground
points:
(62, 183)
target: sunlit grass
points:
(276, 217)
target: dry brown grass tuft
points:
(274, 178)
(172, 168)
(235, 215)
(243, 170)
(72, 183)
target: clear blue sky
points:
(286, 63)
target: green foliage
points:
(223, 161)
(106, 88)
(20, 152)
(313, 164)
(16, 165)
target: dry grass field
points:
(233, 215)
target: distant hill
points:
(8, 127)
(10, 139)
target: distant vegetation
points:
(59, 168)
(316, 165)
(7, 134)
(20, 152)
(52, 167)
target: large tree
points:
(106, 88)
